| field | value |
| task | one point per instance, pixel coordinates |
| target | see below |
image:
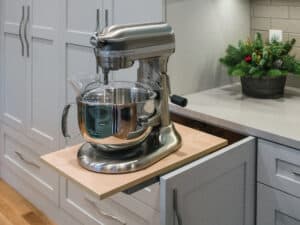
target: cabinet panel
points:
(149, 195)
(276, 208)
(279, 167)
(117, 210)
(80, 24)
(43, 72)
(80, 63)
(45, 95)
(12, 11)
(14, 82)
(20, 158)
(44, 13)
(138, 11)
(82, 20)
(217, 189)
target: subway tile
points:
(260, 23)
(296, 51)
(291, 26)
(271, 11)
(261, 2)
(294, 12)
(285, 2)
(296, 37)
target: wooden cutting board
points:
(195, 144)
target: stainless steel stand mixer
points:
(127, 125)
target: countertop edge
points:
(240, 128)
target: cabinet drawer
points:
(275, 207)
(116, 210)
(279, 167)
(150, 196)
(19, 158)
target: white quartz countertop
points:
(275, 120)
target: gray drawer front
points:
(279, 167)
(120, 209)
(20, 157)
(276, 208)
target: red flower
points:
(248, 59)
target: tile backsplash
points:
(278, 14)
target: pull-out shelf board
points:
(195, 145)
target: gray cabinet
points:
(29, 69)
(278, 192)
(276, 208)
(214, 190)
(279, 167)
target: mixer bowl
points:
(109, 117)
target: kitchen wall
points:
(203, 29)
(278, 14)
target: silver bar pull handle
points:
(106, 17)
(20, 30)
(175, 208)
(27, 161)
(25, 30)
(97, 20)
(102, 213)
(296, 174)
(98, 27)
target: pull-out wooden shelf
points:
(195, 145)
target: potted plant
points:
(263, 67)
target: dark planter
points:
(263, 87)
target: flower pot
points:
(263, 87)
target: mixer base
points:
(158, 145)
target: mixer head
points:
(117, 47)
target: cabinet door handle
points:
(103, 213)
(25, 30)
(20, 30)
(97, 30)
(296, 174)
(106, 17)
(97, 20)
(175, 207)
(27, 161)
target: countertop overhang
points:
(277, 120)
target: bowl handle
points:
(64, 120)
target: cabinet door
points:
(80, 22)
(276, 208)
(43, 60)
(133, 11)
(214, 190)
(13, 67)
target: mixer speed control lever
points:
(179, 100)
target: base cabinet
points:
(214, 190)
(278, 195)
(276, 208)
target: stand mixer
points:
(140, 129)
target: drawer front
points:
(21, 159)
(119, 209)
(276, 208)
(279, 167)
(149, 196)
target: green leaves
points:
(256, 58)
(274, 73)
(238, 72)
(233, 56)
